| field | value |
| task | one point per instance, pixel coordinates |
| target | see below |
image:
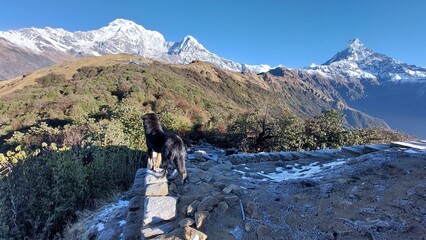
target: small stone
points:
(183, 209)
(191, 233)
(154, 231)
(211, 157)
(194, 179)
(232, 200)
(231, 188)
(135, 217)
(172, 187)
(207, 203)
(248, 227)
(199, 155)
(237, 233)
(263, 233)
(222, 206)
(131, 231)
(186, 222)
(190, 210)
(135, 203)
(200, 218)
(252, 210)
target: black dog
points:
(168, 146)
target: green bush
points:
(43, 193)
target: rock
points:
(135, 216)
(173, 176)
(154, 177)
(157, 189)
(207, 203)
(172, 187)
(232, 200)
(193, 234)
(200, 218)
(211, 157)
(222, 206)
(231, 151)
(237, 233)
(248, 227)
(135, 203)
(191, 156)
(199, 155)
(140, 173)
(177, 234)
(252, 210)
(263, 233)
(131, 231)
(190, 210)
(220, 168)
(194, 179)
(231, 188)
(154, 231)
(183, 210)
(157, 209)
(186, 222)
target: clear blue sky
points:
(293, 33)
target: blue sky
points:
(294, 33)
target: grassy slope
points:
(198, 92)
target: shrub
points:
(42, 193)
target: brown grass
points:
(68, 68)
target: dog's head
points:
(151, 117)
(151, 121)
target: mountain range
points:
(43, 47)
(355, 79)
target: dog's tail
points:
(174, 150)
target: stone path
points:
(153, 206)
(324, 154)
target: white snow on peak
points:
(120, 36)
(356, 62)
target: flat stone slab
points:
(377, 147)
(357, 150)
(154, 177)
(154, 231)
(421, 145)
(157, 209)
(157, 189)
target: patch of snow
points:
(121, 223)
(100, 226)
(107, 213)
(309, 171)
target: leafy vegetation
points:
(68, 142)
(256, 132)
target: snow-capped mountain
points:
(377, 85)
(120, 36)
(357, 62)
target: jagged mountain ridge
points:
(120, 36)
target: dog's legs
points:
(164, 173)
(150, 159)
(158, 160)
(180, 164)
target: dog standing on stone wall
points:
(167, 147)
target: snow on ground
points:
(107, 213)
(295, 171)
